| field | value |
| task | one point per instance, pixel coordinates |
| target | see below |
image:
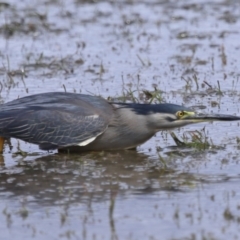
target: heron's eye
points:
(180, 114)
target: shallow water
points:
(189, 51)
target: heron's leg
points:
(2, 139)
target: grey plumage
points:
(64, 120)
(54, 120)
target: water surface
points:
(186, 50)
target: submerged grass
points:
(155, 95)
(136, 96)
(193, 139)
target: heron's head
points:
(168, 116)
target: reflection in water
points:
(73, 178)
(104, 190)
(59, 178)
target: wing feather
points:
(57, 128)
(57, 122)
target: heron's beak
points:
(202, 117)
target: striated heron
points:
(59, 120)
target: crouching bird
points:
(58, 120)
